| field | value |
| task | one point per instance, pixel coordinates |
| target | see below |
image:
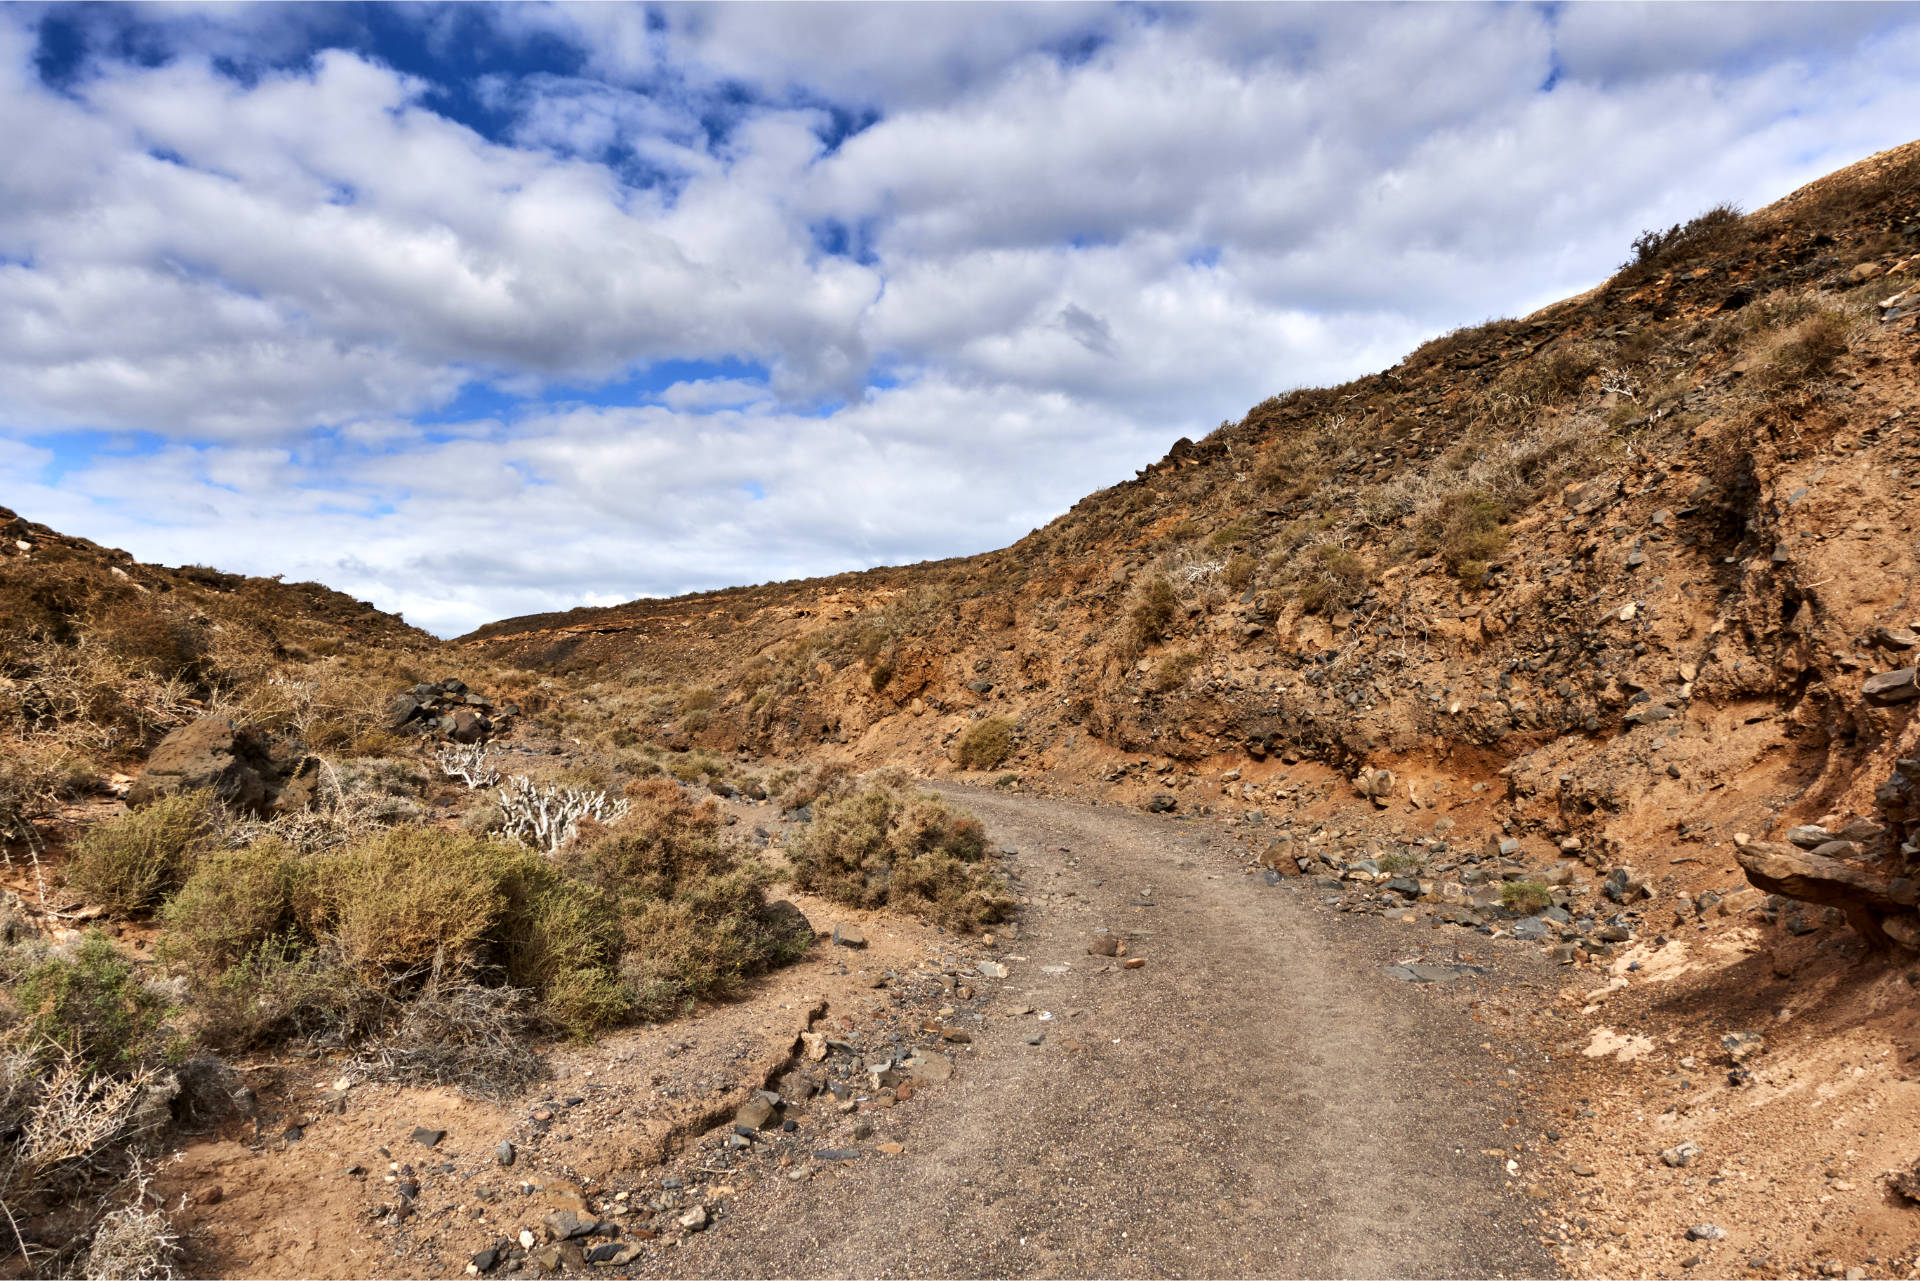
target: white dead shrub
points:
(136, 1242)
(547, 817)
(468, 764)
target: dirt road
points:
(1259, 1099)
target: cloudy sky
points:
(476, 311)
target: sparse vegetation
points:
(1710, 232)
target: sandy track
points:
(1258, 1099)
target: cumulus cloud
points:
(451, 307)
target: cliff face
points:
(1642, 562)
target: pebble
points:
(1706, 1232)
(428, 1138)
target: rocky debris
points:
(243, 768)
(447, 707)
(1887, 688)
(1706, 1232)
(1681, 1155)
(758, 1112)
(1741, 1046)
(1104, 944)
(1162, 803)
(428, 1138)
(1421, 972)
(1866, 895)
(1906, 1183)
(503, 1153)
(849, 936)
(1624, 885)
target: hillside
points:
(1634, 555)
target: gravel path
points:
(1258, 1100)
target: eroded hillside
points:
(1635, 555)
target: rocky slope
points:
(1643, 562)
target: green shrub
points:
(131, 863)
(234, 901)
(704, 941)
(883, 845)
(693, 916)
(1402, 862)
(95, 1007)
(393, 905)
(986, 744)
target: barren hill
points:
(1636, 556)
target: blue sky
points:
(481, 310)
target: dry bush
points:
(459, 1033)
(354, 800)
(1716, 231)
(1325, 576)
(693, 912)
(986, 744)
(1239, 571)
(35, 776)
(64, 1119)
(1553, 377)
(1175, 671)
(131, 863)
(1153, 612)
(884, 845)
(1808, 351)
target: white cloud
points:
(1073, 233)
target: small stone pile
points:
(450, 708)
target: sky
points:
(477, 311)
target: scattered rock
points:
(694, 1220)
(503, 1153)
(1681, 1155)
(849, 936)
(428, 1138)
(1706, 1232)
(1161, 803)
(930, 1069)
(1898, 686)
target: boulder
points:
(1898, 686)
(237, 764)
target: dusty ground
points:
(1259, 1098)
